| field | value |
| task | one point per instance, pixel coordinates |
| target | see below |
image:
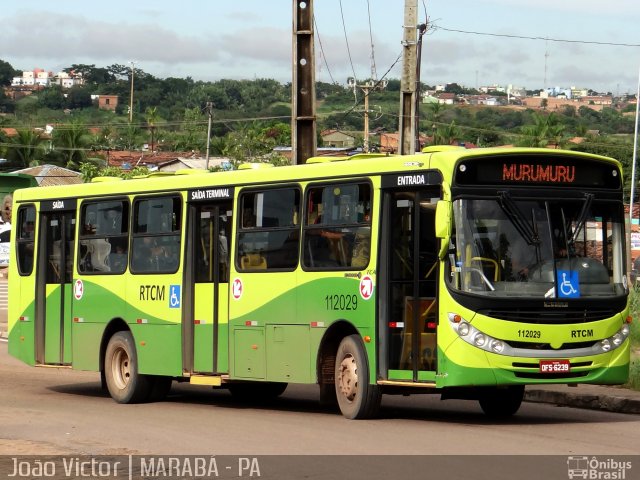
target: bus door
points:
(54, 277)
(206, 313)
(408, 286)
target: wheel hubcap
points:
(348, 377)
(120, 368)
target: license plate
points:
(554, 366)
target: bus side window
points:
(337, 232)
(269, 230)
(26, 238)
(156, 234)
(103, 245)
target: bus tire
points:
(357, 399)
(501, 402)
(124, 383)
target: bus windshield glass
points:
(538, 248)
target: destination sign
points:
(535, 170)
(210, 193)
(58, 205)
(411, 179)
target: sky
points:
(214, 39)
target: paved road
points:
(65, 411)
(612, 399)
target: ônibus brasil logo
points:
(366, 287)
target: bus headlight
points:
(475, 337)
(463, 329)
(625, 330)
(497, 346)
(614, 341)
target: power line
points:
(524, 37)
(346, 39)
(324, 57)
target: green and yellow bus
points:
(467, 273)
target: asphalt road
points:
(62, 411)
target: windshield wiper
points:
(510, 208)
(582, 218)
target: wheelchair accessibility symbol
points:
(174, 296)
(568, 285)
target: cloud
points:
(58, 37)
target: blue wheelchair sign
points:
(174, 296)
(567, 284)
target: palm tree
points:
(25, 148)
(446, 134)
(152, 118)
(536, 135)
(546, 129)
(73, 142)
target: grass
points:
(634, 369)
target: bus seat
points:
(253, 261)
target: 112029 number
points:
(341, 302)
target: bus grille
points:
(556, 316)
(546, 346)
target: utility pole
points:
(209, 108)
(407, 126)
(367, 87)
(303, 86)
(133, 64)
(422, 28)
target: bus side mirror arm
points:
(443, 226)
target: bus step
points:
(214, 381)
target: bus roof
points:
(443, 160)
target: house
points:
(389, 142)
(336, 138)
(107, 102)
(9, 131)
(127, 160)
(446, 98)
(68, 80)
(49, 175)
(199, 163)
(35, 78)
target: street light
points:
(133, 64)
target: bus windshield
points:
(538, 248)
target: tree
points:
(79, 96)
(249, 144)
(52, 97)
(91, 74)
(545, 129)
(25, 148)
(72, 140)
(88, 171)
(535, 135)
(6, 104)
(152, 118)
(6, 73)
(446, 134)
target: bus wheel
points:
(357, 399)
(124, 382)
(501, 402)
